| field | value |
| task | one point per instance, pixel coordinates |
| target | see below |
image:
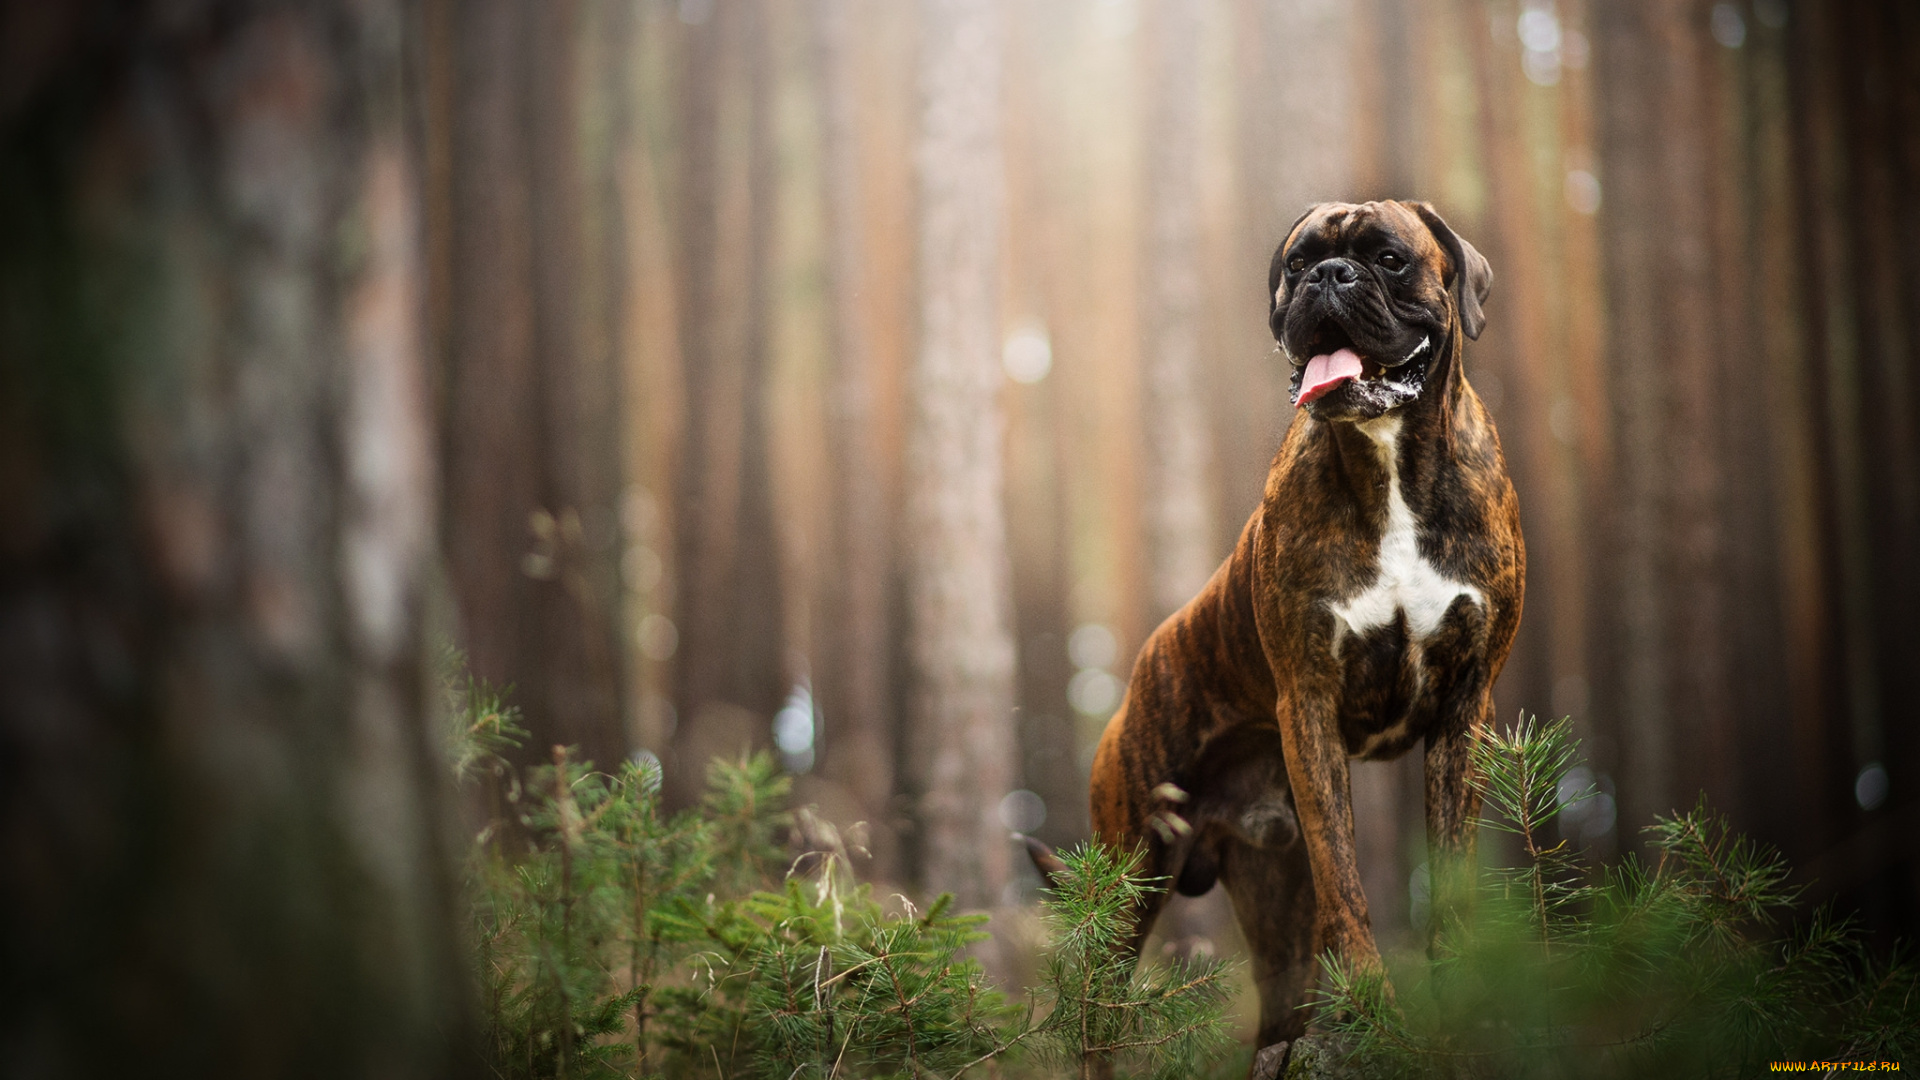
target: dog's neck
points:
(1413, 438)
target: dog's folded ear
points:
(1472, 277)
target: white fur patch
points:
(1404, 581)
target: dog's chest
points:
(1382, 630)
(1404, 582)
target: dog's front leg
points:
(1323, 800)
(1453, 812)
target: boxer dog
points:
(1368, 606)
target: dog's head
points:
(1365, 301)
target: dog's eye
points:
(1296, 264)
(1391, 261)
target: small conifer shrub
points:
(614, 940)
(1692, 966)
(1163, 1018)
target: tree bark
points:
(1182, 550)
(729, 666)
(962, 651)
(225, 845)
(532, 459)
(1789, 702)
(1631, 84)
(1849, 480)
(1519, 351)
(1878, 44)
(1041, 441)
(608, 39)
(854, 680)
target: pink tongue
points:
(1326, 371)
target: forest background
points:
(866, 379)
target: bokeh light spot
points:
(1092, 646)
(1023, 811)
(1028, 355)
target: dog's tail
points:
(1044, 859)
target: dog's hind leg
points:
(1272, 894)
(1128, 770)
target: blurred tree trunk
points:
(1181, 548)
(1039, 533)
(1658, 131)
(1748, 727)
(1384, 102)
(708, 196)
(1587, 467)
(854, 681)
(1634, 92)
(1856, 157)
(652, 413)
(1291, 150)
(1850, 738)
(1877, 112)
(1882, 111)
(1694, 397)
(1518, 352)
(962, 651)
(225, 845)
(607, 33)
(531, 449)
(1039, 449)
(1783, 651)
(761, 671)
(1177, 501)
(729, 665)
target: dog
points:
(1368, 606)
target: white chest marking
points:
(1405, 581)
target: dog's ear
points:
(1276, 269)
(1472, 277)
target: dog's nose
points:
(1338, 273)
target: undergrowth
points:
(613, 939)
(733, 939)
(1697, 964)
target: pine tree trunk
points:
(1042, 442)
(1178, 504)
(1181, 548)
(1780, 650)
(532, 456)
(729, 667)
(1669, 545)
(962, 651)
(226, 850)
(1881, 110)
(1519, 353)
(853, 683)
(1630, 83)
(1851, 477)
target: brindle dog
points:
(1369, 605)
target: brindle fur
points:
(1258, 644)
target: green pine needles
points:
(1690, 966)
(615, 940)
(1165, 1019)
